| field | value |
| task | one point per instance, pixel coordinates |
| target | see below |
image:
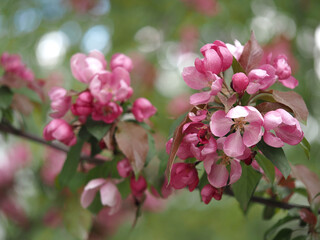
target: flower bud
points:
(121, 60)
(138, 186)
(184, 175)
(60, 130)
(124, 168)
(240, 82)
(143, 109)
(83, 105)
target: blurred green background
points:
(162, 37)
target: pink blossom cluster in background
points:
(106, 92)
(220, 131)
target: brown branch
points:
(270, 202)
(6, 128)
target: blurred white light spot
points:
(97, 37)
(306, 41)
(27, 20)
(51, 49)
(149, 39)
(317, 37)
(311, 131)
(263, 28)
(168, 55)
(170, 83)
(186, 60)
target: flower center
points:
(239, 124)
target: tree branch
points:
(7, 128)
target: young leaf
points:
(96, 204)
(236, 67)
(310, 180)
(295, 102)
(6, 96)
(266, 166)
(132, 140)
(98, 129)
(276, 156)
(306, 147)
(124, 188)
(244, 188)
(271, 106)
(274, 227)
(70, 166)
(176, 124)
(283, 234)
(251, 55)
(152, 149)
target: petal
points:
(218, 176)
(254, 115)
(253, 88)
(235, 171)
(194, 79)
(252, 134)
(200, 98)
(220, 125)
(109, 194)
(237, 112)
(87, 197)
(290, 82)
(94, 184)
(272, 119)
(233, 145)
(272, 140)
(212, 61)
(216, 86)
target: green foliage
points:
(6, 97)
(98, 129)
(266, 165)
(244, 188)
(152, 149)
(27, 92)
(306, 147)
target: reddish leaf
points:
(307, 216)
(251, 55)
(177, 138)
(271, 106)
(294, 101)
(132, 140)
(310, 180)
(227, 102)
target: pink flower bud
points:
(60, 130)
(142, 109)
(124, 168)
(207, 193)
(138, 186)
(83, 105)
(184, 175)
(166, 189)
(84, 67)
(283, 70)
(60, 102)
(240, 82)
(121, 60)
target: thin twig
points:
(7, 128)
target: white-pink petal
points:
(252, 134)
(200, 98)
(237, 112)
(233, 145)
(109, 194)
(194, 79)
(218, 176)
(220, 125)
(235, 171)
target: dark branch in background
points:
(7, 128)
(270, 202)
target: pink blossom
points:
(199, 116)
(124, 168)
(208, 192)
(109, 194)
(107, 113)
(115, 85)
(283, 71)
(240, 82)
(83, 105)
(166, 189)
(261, 78)
(235, 49)
(60, 102)
(286, 129)
(184, 175)
(143, 109)
(60, 130)
(138, 186)
(84, 67)
(121, 60)
(245, 121)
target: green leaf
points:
(301, 237)
(306, 147)
(268, 212)
(6, 96)
(124, 188)
(27, 92)
(98, 129)
(163, 156)
(236, 67)
(276, 156)
(266, 165)
(0, 115)
(284, 234)
(78, 180)
(175, 124)
(95, 147)
(70, 166)
(274, 227)
(244, 188)
(152, 149)
(107, 169)
(96, 204)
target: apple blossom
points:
(124, 168)
(143, 109)
(121, 60)
(184, 175)
(138, 186)
(59, 129)
(60, 102)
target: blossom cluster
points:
(102, 100)
(223, 128)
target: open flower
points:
(109, 194)
(245, 124)
(107, 113)
(286, 129)
(261, 78)
(283, 72)
(121, 60)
